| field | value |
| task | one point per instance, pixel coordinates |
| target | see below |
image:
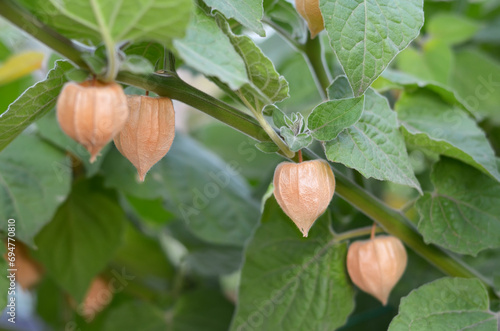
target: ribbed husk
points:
(92, 113)
(148, 133)
(309, 10)
(376, 265)
(304, 190)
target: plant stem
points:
(313, 55)
(357, 233)
(268, 128)
(29, 24)
(300, 156)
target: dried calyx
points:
(92, 113)
(148, 133)
(309, 10)
(376, 265)
(304, 190)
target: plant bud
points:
(92, 113)
(376, 265)
(304, 190)
(148, 133)
(309, 10)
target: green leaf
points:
(374, 146)
(207, 49)
(203, 309)
(267, 147)
(296, 142)
(137, 64)
(34, 180)
(463, 212)
(198, 187)
(100, 20)
(451, 28)
(329, 118)
(340, 88)
(247, 12)
(32, 104)
(293, 283)
(204, 258)
(476, 80)
(367, 35)
(82, 237)
(392, 79)
(142, 256)
(279, 117)
(446, 304)
(266, 86)
(153, 52)
(429, 122)
(283, 14)
(434, 63)
(135, 315)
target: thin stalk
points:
(313, 54)
(111, 54)
(360, 232)
(269, 130)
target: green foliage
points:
(463, 212)
(286, 276)
(367, 35)
(448, 303)
(89, 228)
(32, 104)
(35, 179)
(248, 13)
(96, 21)
(208, 50)
(374, 146)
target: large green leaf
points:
(367, 34)
(463, 212)
(207, 49)
(133, 315)
(199, 188)
(429, 122)
(476, 80)
(391, 79)
(247, 12)
(329, 118)
(446, 304)
(203, 309)
(82, 237)
(293, 283)
(433, 63)
(283, 14)
(374, 146)
(34, 180)
(202, 257)
(451, 28)
(32, 104)
(115, 21)
(266, 86)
